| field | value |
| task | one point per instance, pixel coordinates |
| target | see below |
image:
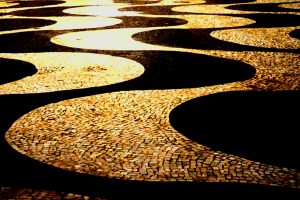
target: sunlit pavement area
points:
(149, 99)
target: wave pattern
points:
(142, 91)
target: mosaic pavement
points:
(106, 99)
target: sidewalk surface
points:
(158, 99)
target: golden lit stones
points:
(209, 21)
(222, 8)
(7, 4)
(260, 37)
(290, 5)
(273, 1)
(65, 71)
(206, 9)
(274, 70)
(127, 135)
(28, 193)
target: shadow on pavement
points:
(12, 70)
(260, 126)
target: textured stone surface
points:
(13, 193)
(119, 133)
(63, 71)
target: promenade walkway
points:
(149, 99)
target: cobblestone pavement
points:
(89, 89)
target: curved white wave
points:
(67, 23)
(121, 39)
(113, 9)
(7, 4)
(66, 71)
(103, 11)
(100, 3)
(112, 39)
